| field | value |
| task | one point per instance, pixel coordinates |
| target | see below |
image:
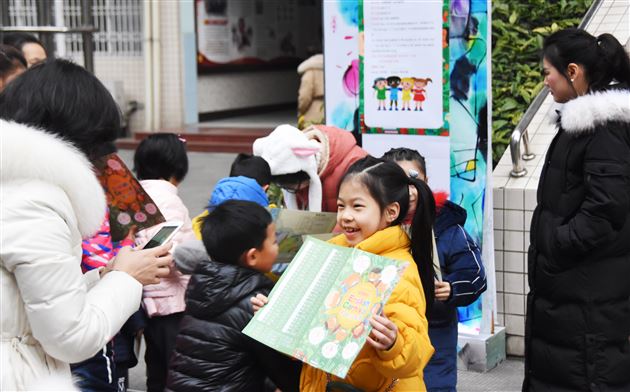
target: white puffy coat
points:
(51, 314)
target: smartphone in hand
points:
(166, 232)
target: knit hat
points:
(237, 188)
(288, 151)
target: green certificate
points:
(319, 310)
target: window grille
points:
(119, 23)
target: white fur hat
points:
(287, 150)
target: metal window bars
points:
(114, 27)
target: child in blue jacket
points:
(463, 276)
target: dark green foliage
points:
(518, 30)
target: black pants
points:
(96, 374)
(159, 335)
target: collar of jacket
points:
(585, 113)
(215, 287)
(313, 62)
(382, 242)
(31, 154)
(449, 215)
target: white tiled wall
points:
(130, 71)
(515, 198)
(172, 111)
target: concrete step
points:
(206, 139)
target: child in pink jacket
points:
(161, 163)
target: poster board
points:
(404, 67)
(459, 160)
(341, 62)
(255, 34)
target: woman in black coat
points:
(578, 308)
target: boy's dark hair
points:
(18, 40)
(388, 183)
(406, 154)
(252, 167)
(603, 57)
(232, 228)
(161, 156)
(63, 99)
(10, 59)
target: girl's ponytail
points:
(388, 183)
(614, 57)
(422, 238)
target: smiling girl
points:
(373, 201)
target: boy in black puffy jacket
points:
(211, 353)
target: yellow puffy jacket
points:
(375, 370)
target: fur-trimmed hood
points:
(29, 153)
(313, 62)
(585, 113)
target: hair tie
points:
(413, 173)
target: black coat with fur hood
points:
(211, 353)
(578, 308)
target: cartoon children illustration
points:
(393, 82)
(418, 91)
(380, 85)
(407, 85)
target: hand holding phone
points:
(147, 266)
(165, 234)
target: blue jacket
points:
(237, 188)
(460, 261)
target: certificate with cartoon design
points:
(293, 225)
(129, 204)
(319, 310)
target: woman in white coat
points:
(52, 118)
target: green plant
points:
(518, 30)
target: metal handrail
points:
(520, 132)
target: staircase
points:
(206, 139)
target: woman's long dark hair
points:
(388, 183)
(63, 99)
(603, 57)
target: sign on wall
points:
(404, 67)
(245, 33)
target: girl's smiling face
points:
(358, 213)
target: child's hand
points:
(384, 333)
(442, 291)
(258, 302)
